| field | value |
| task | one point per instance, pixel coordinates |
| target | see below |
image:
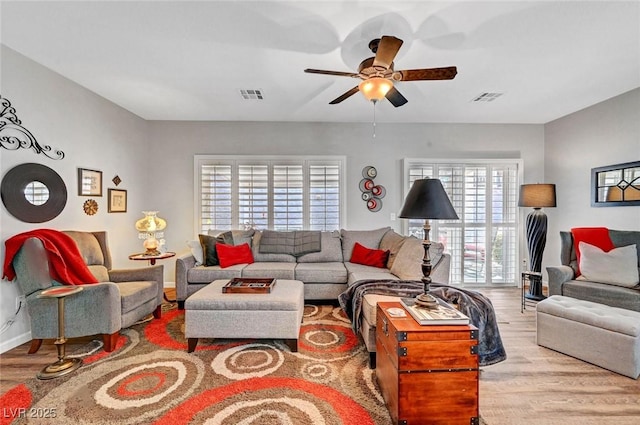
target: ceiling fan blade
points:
(387, 51)
(447, 73)
(345, 95)
(395, 97)
(338, 73)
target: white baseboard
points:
(169, 284)
(14, 342)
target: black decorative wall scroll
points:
(14, 136)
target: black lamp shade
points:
(428, 200)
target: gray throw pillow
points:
(243, 236)
(262, 257)
(331, 249)
(392, 242)
(274, 242)
(209, 253)
(368, 238)
(408, 262)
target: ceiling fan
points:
(378, 75)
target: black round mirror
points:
(33, 193)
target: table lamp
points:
(150, 228)
(427, 200)
(537, 196)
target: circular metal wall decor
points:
(369, 172)
(90, 207)
(14, 193)
(372, 193)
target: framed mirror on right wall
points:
(616, 185)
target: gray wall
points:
(94, 134)
(177, 142)
(604, 134)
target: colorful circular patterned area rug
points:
(151, 379)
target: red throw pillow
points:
(369, 257)
(229, 255)
(596, 236)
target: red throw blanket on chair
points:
(65, 261)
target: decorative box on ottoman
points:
(606, 336)
(209, 313)
(427, 374)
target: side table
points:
(535, 289)
(152, 261)
(151, 258)
(64, 365)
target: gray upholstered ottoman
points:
(606, 336)
(278, 315)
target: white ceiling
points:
(179, 60)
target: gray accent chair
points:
(120, 299)
(562, 279)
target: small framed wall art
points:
(117, 201)
(89, 182)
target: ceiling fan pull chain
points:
(374, 118)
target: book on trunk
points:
(443, 314)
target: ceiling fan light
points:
(375, 88)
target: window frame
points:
(235, 161)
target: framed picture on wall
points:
(89, 182)
(117, 201)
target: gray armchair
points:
(120, 299)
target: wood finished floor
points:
(534, 385)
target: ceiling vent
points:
(486, 97)
(251, 94)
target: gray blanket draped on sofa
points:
(475, 305)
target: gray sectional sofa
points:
(563, 281)
(326, 273)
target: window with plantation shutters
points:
(288, 197)
(216, 195)
(483, 243)
(324, 197)
(253, 196)
(284, 193)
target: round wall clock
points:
(90, 207)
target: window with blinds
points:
(269, 193)
(483, 243)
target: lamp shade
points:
(375, 88)
(428, 200)
(151, 222)
(537, 195)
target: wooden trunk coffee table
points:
(427, 374)
(210, 313)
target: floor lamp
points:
(536, 196)
(427, 200)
